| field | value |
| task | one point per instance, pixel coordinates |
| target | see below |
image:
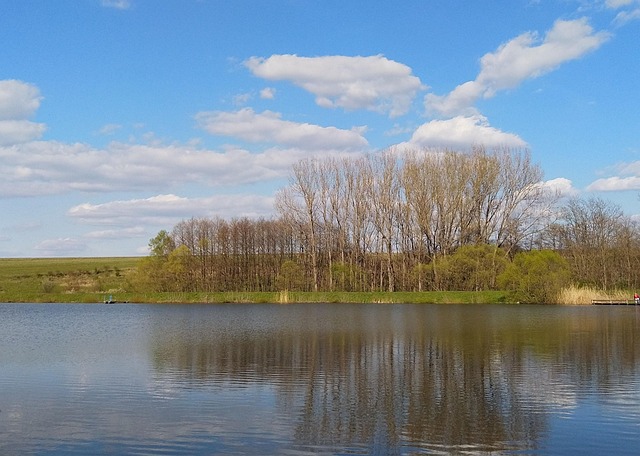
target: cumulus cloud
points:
(373, 83)
(461, 132)
(268, 127)
(18, 100)
(168, 209)
(19, 131)
(524, 57)
(563, 187)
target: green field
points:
(63, 279)
(92, 280)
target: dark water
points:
(319, 379)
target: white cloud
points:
(268, 127)
(615, 4)
(48, 167)
(117, 4)
(625, 177)
(109, 129)
(562, 186)
(241, 99)
(615, 183)
(460, 133)
(374, 83)
(60, 247)
(397, 129)
(458, 102)
(629, 10)
(18, 100)
(268, 93)
(169, 209)
(19, 131)
(524, 57)
(624, 17)
(131, 232)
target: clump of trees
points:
(601, 244)
(202, 254)
(411, 210)
(414, 221)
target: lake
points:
(306, 379)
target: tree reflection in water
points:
(392, 377)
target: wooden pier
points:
(613, 302)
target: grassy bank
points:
(443, 297)
(92, 280)
(284, 297)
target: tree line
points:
(405, 221)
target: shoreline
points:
(282, 297)
(97, 280)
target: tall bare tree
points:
(299, 203)
(385, 194)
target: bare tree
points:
(590, 231)
(386, 195)
(299, 203)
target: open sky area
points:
(119, 118)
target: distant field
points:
(53, 279)
(90, 280)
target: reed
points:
(283, 297)
(574, 295)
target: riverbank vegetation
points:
(94, 280)
(435, 226)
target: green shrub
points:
(536, 276)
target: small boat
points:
(110, 300)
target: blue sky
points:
(119, 118)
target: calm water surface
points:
(319, 379)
